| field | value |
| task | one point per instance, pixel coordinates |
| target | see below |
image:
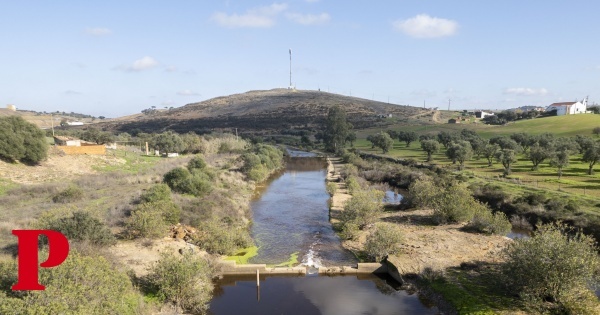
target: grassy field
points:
(574, 183)
(570, 125)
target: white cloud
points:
(142, 64)
(526, 91)
(425, 26)
(188, 93)
(263, 17)
(98, 31)
(309, 19)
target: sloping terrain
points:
(276, 109)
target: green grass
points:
(134, 162)
(474, 293)
(6, 185)
(568, 125)
(243, 255)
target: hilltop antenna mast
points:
(290, 68)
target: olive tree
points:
(537, 154)
(408, 137)
(555, 268)
(430, 147)
(507, 157)
(460, 151)
(592, 156)
(21, 140)
(560, 160)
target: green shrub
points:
(450, 204)
(382, 242)
(70, 194)
(353, 185)
(485, 221)
(157, 192)
(21, 140)
(146, 220)
(261, 161)
(350, 231)
(554, 270)
(184, 281)
(82, 226)
(80, 285)
(181, 180)
(363, 208)
(197, 162)
(222, 238)
(331, 188)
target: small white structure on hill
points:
(11, 107)
(569, 108)
(74, 123)
(482, 114)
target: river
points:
(291, 216)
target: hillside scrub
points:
(556, 270)
(184, 281)
(80, 226)
(382, 242)
(81, 285)
(21, 141)
(154, 213)
(363, 208)
(69, 194)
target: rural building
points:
(11, 107)
(483, 114)
(67, 141)
(74, 123)
(568, 108)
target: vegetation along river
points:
(291, 216)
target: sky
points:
(115, 58)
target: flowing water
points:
(291, 215)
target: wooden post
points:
(147, 152)
(257, 278)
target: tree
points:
(453, 203)
(97, 136)
(363, 208)
(382, 242)
(430, 146)
(460, 151)
(351, 137)
(554, 268)
(184, 281)
(489, 152)
(505, 143)
(538, 154)
(560, 160)
(384, 142)
(445, 138)
(596, 131)
(592, 156)
(584, 143)
(525, 140)
(168, 142)
(408, 137)
(336, 129)
(21, 140)
(392, 133)
(507, 157)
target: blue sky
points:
(115, 58)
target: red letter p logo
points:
(58, 249)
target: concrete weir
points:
(229, 267)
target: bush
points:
(353, 185)
(80, 285)
(554, 270)
(331, 188)
(147, 220)
(363, 208)
(82, 226)
(197, 162)
(181, 180)
(184, 281)
(451, 204)
(157, 192)
(383, 242)
(222, 238)
(70, 194)
(263, 160)
(21, 140)
(485, 221)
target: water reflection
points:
(366, 294)
(392, 197)
(291, 215)
(518, 233)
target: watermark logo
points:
(28, 262)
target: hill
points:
(568, 125)
(44, 120)
(278, 109)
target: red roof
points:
(563, 104)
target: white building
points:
(568, 108)
(483, 114)
(74, 123)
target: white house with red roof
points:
(569, 108)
